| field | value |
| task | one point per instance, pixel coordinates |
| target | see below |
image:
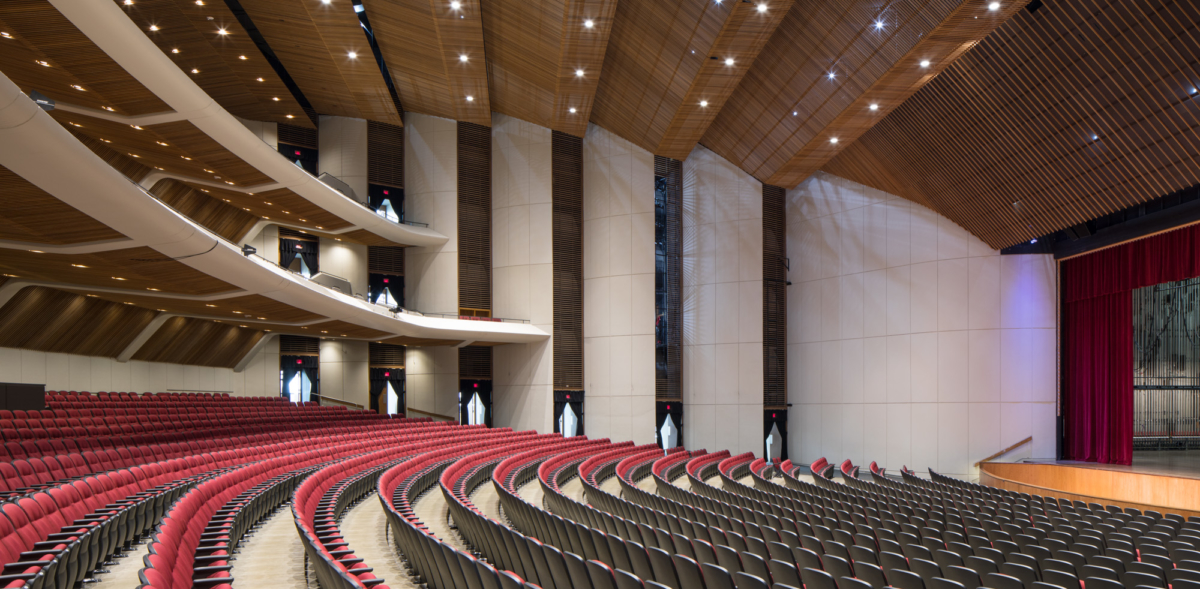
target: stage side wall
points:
(910, 341)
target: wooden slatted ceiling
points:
(421, 41)
(246, 306)
(780, 122)
(533, 52)
(745, 31)
(30, 214)
(51, 320)
(41, 33)
(655, 51)
(1013, 120)
(313, 40)
(230, 65)
(182, 340)
(142, 268)
(219, 217)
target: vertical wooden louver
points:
(668, 385)
(774, 270)
(385, 154)
(382, 259)
(566, 189)
(474, 217)
(298, 136)
(383, 355)
(475, 363)
(299, 345)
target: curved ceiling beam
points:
(34, 146)
(112, 31)
(151, 119)
(90, 247)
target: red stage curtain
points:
(1098, 337)
(1099, 369)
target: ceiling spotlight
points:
(79, 265)
(128, 2)
(260, 80)
(874, 107)
(289, 116)
(762, 8)
(878, 25)
(470, 99)
(728, 61)
(195, 71)
(242, 57)
(275, 98)
(578, 73)
(153, 27)
(5, 35)
(161, 143)
(571, 110)
(222, 32)
(117, 278)
(326, 1)
(1095, 137)
(994, 6)
(42, 63)
(703, 103)
(37, 251)
(353, 55)
(455, 5)
(463, 58)
(589, 23)
(833, 140)
(794, 113)
(1034, 240)
(136, 127)
(832, 75)
(924, 63)
(199, 2)
(174, 51)
(78, 87)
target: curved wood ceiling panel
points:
(421, 41)
(1075, 111)
(138, 268)
(183, 340)
(230, 66)
(30, 214)
(50, 320)
(314, 40)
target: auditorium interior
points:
(600, 294)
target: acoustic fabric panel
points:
(474, 217)
(774, 298)
(566, 189)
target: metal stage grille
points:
(1166, 371)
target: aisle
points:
(364, 527)
(431, 509)
(272, 557)
(573, 490)
(649, 485)
(123, 574)
(487, 500)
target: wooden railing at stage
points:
(1005, 451)
(322, 399)
(1097, 484)
(413, 412)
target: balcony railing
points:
(337, 184)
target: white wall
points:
(344, 374)
(722, 306)
(95, 374)
(431, 379)
(522, 274)
(910, 342)
(342, 151)
(618, 300)
(431, 196)
(345, 259)
(266, 242)
(267, 132)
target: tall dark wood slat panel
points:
(385, 154)
(774, 298)
(668, 384)
(566, 189)
(474, 217)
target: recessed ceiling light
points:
(832, 75)
(762, 7)
(79, 265)
(571, 110)
(260, 80)
(242, 57)
(794, 113)
(186, 158)
(289, 116)
(874, 107)
(275, 98)
(134, 155)
(161, 143)
(78, 87)
(463, 58)
(6, 36)
(353, 55)
(199, 2)
(589, 23)
(195, 71)
(578, 73)
(76, 125)
(455, 5)
(153, 27)
(1095, 137)
(994, 6)
(924, 63)
(105, 140)
(174, 51)
(878, 24)
(728, 61)
(703, 103)
(326, 1)
(210, 305)
(136, 127)
(37, 251)
(110, 109)
(128, 2)
(833, 140)
(470, 99)
(117, 278)
(222, 32)
(153, 289)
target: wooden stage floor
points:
(1163, 481)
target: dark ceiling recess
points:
(1033, 5)
(244, 19)
(361, 11)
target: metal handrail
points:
(1005, 451)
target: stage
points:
(1163, 481)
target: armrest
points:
(213, 557)
(370, 582)
(90, 520)
(212, 580)
(49, 544)
(21, 577)
(40, 553)
(212, 569)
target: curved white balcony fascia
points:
(40, 150)
(111, 30)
